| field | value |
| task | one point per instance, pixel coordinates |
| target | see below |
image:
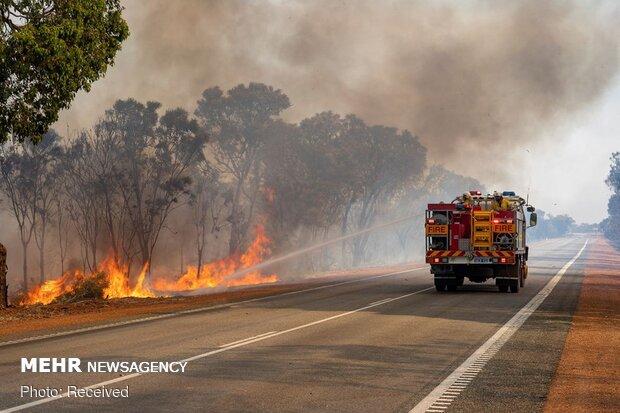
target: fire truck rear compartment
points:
(476, 243)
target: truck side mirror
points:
(530, 208)
(533, 219)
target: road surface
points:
(389, 344)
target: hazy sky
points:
(516, 94)
(569, 168)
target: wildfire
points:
(46, 293)
(216, 273)
(118, 281)
(212, 274)
(116, 277)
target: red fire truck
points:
(474, 237)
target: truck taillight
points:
(503, 260)
(431, 221)
(436, 260)
(502, 221)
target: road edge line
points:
(476, 362)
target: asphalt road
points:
(376, 345)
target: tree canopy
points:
(240, 123)
(145, 180)
(49, 50)
(611, 225)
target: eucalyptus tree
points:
(239, 124)
(153, 161)
(26, 181)
(49, 50)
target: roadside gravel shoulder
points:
(20, 322)
(588, 375)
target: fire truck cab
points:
(470, 238)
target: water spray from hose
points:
(311, 248)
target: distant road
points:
(383, 344)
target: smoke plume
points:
(464, 76)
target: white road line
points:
(220, 350)
(493, 344)
(246, 339)
(197, 310)
(380, 301)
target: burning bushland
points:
(148, 201)
(111, 280)
(141, 193)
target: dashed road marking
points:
(198, 310)
(380, 301)
(221, 349)
(247, 339)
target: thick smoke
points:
(477, 73)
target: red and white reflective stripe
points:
(459, 253)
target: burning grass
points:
(112, 280)
(86, 288)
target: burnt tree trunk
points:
(234, 242)
(42, 251)
(25, 264)
(4, 289)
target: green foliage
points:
(550, 226)
(48, 52)
(613, 179)
(611, 225)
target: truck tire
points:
(452, 285)
(518, 281)
(440, 285)
(514, 286)
(502, 286)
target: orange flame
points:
(118, 281)
(215, 273)
(46, 292)
(212, 274)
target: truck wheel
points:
(440, 285)
(521, 280)
(502, 286)
(514, 286)
(452, 286)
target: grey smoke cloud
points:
(464, 76)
